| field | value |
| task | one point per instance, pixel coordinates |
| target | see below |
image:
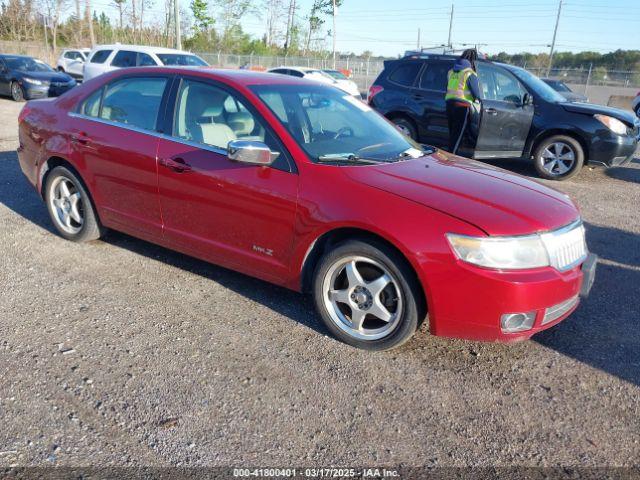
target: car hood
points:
(46, 76)
(592, 109)
(574, 97)
(492, 199)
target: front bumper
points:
(33, 92)
(468, 302)
(614, 150)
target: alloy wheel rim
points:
(66, 204)
(558, 158)
(403, 129)
(16, 92)
(362, 297)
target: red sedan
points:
(304, 186)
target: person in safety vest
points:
(463, 91)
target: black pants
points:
(458, 116)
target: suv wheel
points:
(70, 207)
(16, 92)
(367, 296)
(558, 157)
(406, 126)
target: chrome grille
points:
(566, 247)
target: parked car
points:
(293, 182)
(72, 61)
(26, 78)
(636, 105)
(317, 75)
(343, 82)
(521, 117)
(564, 90)
(106, 58)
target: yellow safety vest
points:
(457, 88)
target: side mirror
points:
(527, 99)
(251, 152)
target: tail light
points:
(24, 112)
(373, 91)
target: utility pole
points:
(176, 17)
(450, 27)
(335, 11)
(418, 44)
(553, 42)
(46, 39)
(92, 37)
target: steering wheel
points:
(342, 132)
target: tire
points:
(70, 206)
(638, 111)
(558, 157)
(397, 297)
(17, 93)
(406, 126)
(61, 69)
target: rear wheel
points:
(406, 126)
(16, 92)
(558, 157)
(367, 296)
(638, 111)
(70, 207)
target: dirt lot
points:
(123, 353)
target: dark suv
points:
(521, 116)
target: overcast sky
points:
(389, 27)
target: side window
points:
(434, 76)
(69, 55)
(145, 60)
(209, 115)
(91, 106)
(124, 58)
(405, 74)
(295, 73)
(100, 56)
(498, 84)
(281, 71)
(134, 101)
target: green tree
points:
(203, 21)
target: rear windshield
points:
(181, 59)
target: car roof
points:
(238, 77)
(300, 69)
(139, 48)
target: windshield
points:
(537, 85)
(328, 124)
(336, 74)
(181, 59)
(26, 64)
(558, 86)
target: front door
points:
(123, 173)
(505, 118)
(233, 214)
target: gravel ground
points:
(123, 353)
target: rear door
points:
(429, 97)
(4, 78)
(115, 135)
(505, 119)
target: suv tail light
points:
(373, 91)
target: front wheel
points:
(638, 111)
(16, 92)
(70, 207)
(558, 157)
(367, 295)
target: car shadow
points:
(602, 333)
(626, 174)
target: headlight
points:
(501, 252)
(613, 124)
(33, 81)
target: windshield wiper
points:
(347, 158)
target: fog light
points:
(517, 322)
